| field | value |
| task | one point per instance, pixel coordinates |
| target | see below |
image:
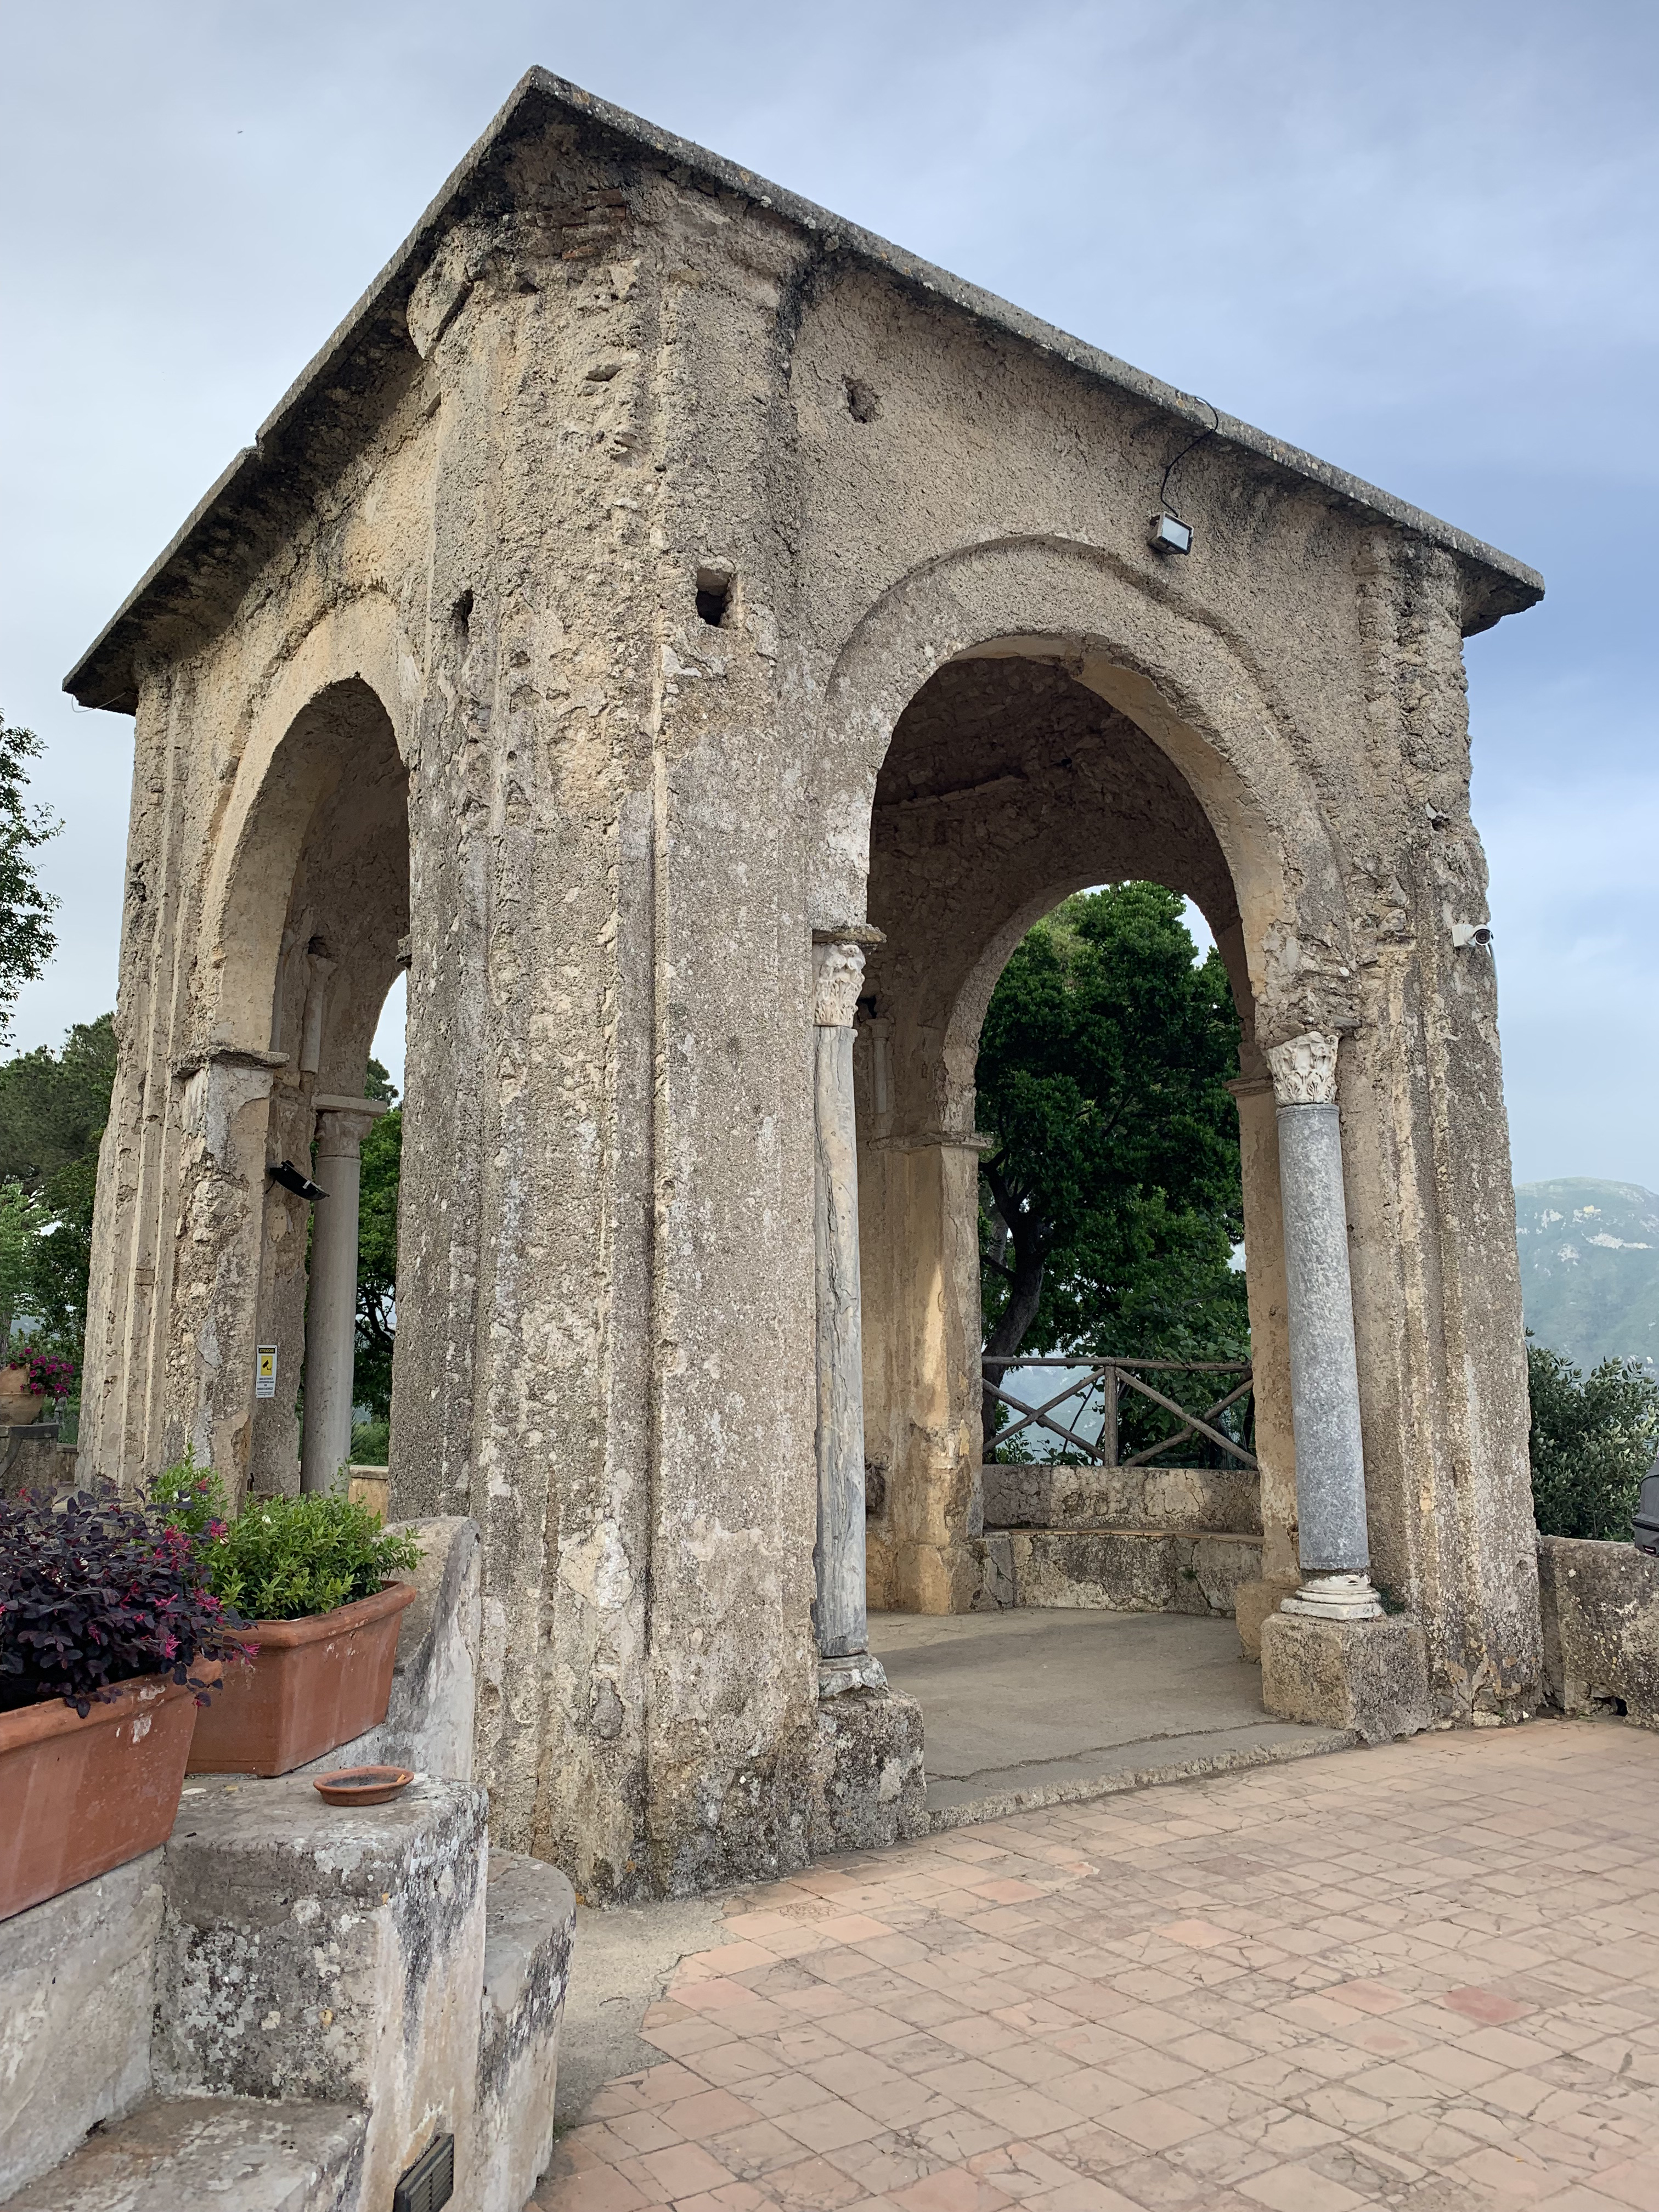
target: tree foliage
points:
(377, 1251)
(1594, 1437)
(26, 937)
(53, 1107)
(1111, 1204)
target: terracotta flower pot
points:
(18, 1404)
(81, 1796)
(314, 1685)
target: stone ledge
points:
(247, 2154)
(1369, 1676)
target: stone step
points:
(1224, 1499)
(530, 1924)
(1101, 1772)
(1120, 1570)
(210, 2155)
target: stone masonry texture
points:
(652, 571)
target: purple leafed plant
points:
(95, 1591)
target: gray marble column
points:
(838, 1555)
(331, 1289)
(1330, 1469)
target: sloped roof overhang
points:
(201, 568)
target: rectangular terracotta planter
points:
(80, 1796)
(314, 1685)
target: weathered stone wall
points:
(1600, 1613)
(642, 512)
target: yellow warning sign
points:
(264, 1371)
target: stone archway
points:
(307, 929)
(1009, 784)
(343, 936)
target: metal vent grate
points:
(429, 2182)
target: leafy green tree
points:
(1111, 1203)
(377, 1252)
(1594, 1437)
(16, 1249)
(26, 937)
(53, 1107)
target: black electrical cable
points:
(1191, 446)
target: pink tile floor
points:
(1425, 1976)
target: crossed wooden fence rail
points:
(1111, 1376)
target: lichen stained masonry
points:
(653, 570)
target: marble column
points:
(332, 1291)
(1330, 1471)
(838, 1555)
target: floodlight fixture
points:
(293, 1179)
(1168, 533)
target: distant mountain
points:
(1590, 1269)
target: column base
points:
(1369, 1676)
(857, 1670)
(871, 1787)
(1335, 1597)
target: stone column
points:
(1275, 1443)
(332, 1295)
(838, 1554)
(1330, 1471)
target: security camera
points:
(1470, 932)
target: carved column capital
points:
(342, 1123)
(1304, 1070)
(837, 975)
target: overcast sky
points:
(1417, 239)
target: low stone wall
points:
(31, 1458)
(1116, 1570)
(1177, 1498)
(1601, 1608)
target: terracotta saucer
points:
(362, 1785)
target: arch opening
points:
(315, 934)
(1011, 784)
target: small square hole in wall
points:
(862, 403)
(714, 596)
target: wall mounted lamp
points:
(290, 1178)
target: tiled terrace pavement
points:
(1422, 1975)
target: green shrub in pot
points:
(282, 1558)
(314, 1575)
